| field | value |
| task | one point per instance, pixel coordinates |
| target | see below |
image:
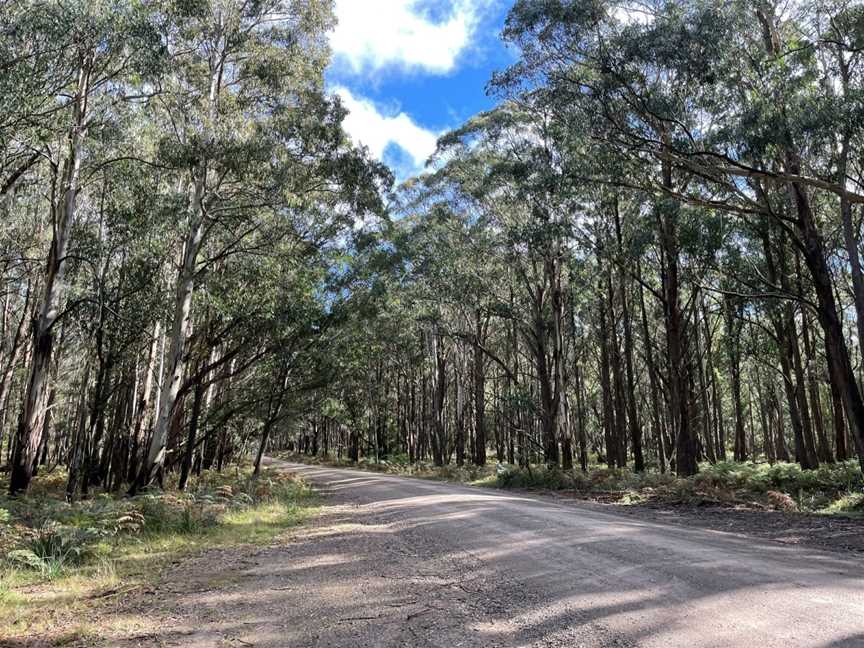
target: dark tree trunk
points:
(839, 422)
(609, 423)
(479, 371)
(191, 437)
(676, 335)
(632, 411)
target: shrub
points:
(63, 544)
(537, 477)
(724, 475)
(52, 547)
(789, 478)
(41, 535)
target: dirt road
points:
(404, 562)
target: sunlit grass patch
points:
(850, 505)
(58, 561)
(487, 481)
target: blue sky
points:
(409, 70)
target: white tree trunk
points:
(63, 217)
(181, 323)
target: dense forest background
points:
(648, 255)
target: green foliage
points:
(833, 488)
(783, 486)
(50, 537)
(785, 477)
(78, 553)
(25, 558)
(851, 504)
(62, 543)
(537, 477)
(597, 480)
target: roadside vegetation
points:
(58, 560)
(635, 278)
(832, 489)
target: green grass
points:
(850, 505)
(58, 560)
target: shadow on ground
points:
(396, 562)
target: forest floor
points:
(828, 532)
(67, 570)
(823, 509)
(397, 562)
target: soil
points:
(827, 532)
(396, 562)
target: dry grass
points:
(59, 563)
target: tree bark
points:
(63, 218)
(667, 213)
(479, 371)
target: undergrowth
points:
(831, 489)
(54, 553)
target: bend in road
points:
(557, 572)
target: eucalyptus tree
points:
(163, 157)
(456, 271)
(97, 53)
(114, 297)
(712, 105)
(508, 163)
(27, 89)
(251, 133)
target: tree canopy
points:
(646, 255)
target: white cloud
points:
(368, 125)
(630, 13)
(374, 34)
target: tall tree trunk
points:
(77, 449)
(142, 409)
(180, 331)
(850, 235)
(459, 414)
(705, 413)
(63, 218)
(619, 433)
(479, 372)
(780, 319)
(767, 441)
(191, 436)
(182, 313)
(656, 417)
(580, 418)
(13, 352)
(839, 423)
(812, 246)
(632, 411)
(609, 423)
(801, 394)
(733, 347)
(667, 213)
(823, 450)
(439, 392)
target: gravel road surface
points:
(405, 562)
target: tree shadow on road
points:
(424, 564)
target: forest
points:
(647, 255)
(636, 275)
